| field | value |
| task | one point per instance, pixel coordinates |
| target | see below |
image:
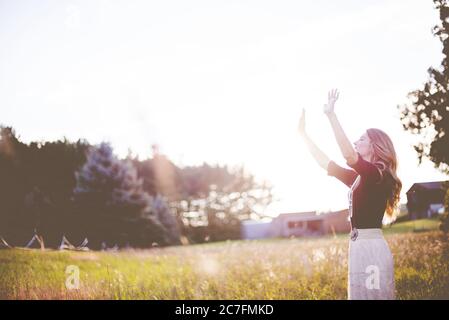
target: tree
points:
(36, 187)
(209, 202)
(17, 223)
(78, 190)
(162, 211)
(428, 115)
(51, 168)
(160, 176)
(216, 200)
(113, 204)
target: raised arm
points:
(346, 176)
(345, 145)
(317, 154)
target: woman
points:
(374, 190)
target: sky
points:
(221, 82)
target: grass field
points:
(313, 268)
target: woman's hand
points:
(302, 124)
(332, 97)
(317, 154)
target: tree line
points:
(77, 190)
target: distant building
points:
(311, 223)
(253, 229)
(298, 224)
(425, 199)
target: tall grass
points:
(276, 269)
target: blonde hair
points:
(384, 155)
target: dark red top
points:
(369, 197)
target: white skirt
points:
(370, 267)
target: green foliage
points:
(162, 212)
(208, 201)
(113, 204)
(428, 115)
(203, 203)
(217, 199)
(36, 186)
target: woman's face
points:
(363, 146)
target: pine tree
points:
(115, 208)
(162, 211)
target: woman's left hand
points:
(332, 97)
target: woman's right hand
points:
(302, 124)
